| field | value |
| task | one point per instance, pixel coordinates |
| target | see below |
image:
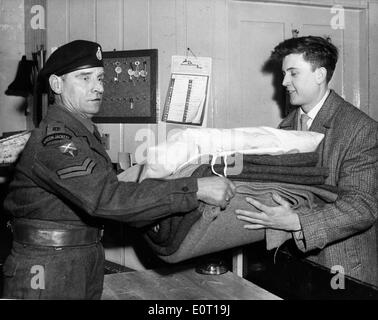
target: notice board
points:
(129, 87)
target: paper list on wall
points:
(188, 98)
(188, 89)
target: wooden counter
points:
(184, 284)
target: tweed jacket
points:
(65, 175)
(344, 233)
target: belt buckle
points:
(100, 234)
(10, 225)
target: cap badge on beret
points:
(98, 54)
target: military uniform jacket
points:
(65, 174)
(343, 233)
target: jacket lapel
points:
(290, 122)
(323, 120)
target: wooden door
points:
(255, 95)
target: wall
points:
(373, 59)
(12, 48)
(208, 28)
(167, 25)
(152, 24)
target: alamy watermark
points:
(338, 18)
(167, 148)
(38, 19)
(338, 280)
(38, 280)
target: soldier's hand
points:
(216, 191)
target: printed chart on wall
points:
(187, 96)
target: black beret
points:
(75, 55)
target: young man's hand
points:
(281, 217)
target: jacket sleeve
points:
(356, 208)
(87, 181)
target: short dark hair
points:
(318, 51)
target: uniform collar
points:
(87, 122)
(73, 121)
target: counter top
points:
(181, 284)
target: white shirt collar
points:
(314, 111)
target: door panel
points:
(257, 89)
(255, 97)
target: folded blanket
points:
(166, 236)
(212, 220)
(208, 229)
(299, 168)
(305, 180)
(294, 161)
(217, 229)
(250, 172)
(304, 159)
(298, 196)
(249, 168)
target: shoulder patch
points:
(55, 127)
(83, 169)
(55, 131)
(55, 137)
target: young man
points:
(342, 233)
(64, 180)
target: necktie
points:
(304, 119)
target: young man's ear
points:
(321, 75)
(56, 83)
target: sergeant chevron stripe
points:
(75, 171)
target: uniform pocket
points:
(10, 267)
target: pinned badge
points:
(99, 54)
(69, 148)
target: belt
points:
(27, 234)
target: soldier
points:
(64, 181)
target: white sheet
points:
(196, 145)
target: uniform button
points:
(185, 189)
(156, 228)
